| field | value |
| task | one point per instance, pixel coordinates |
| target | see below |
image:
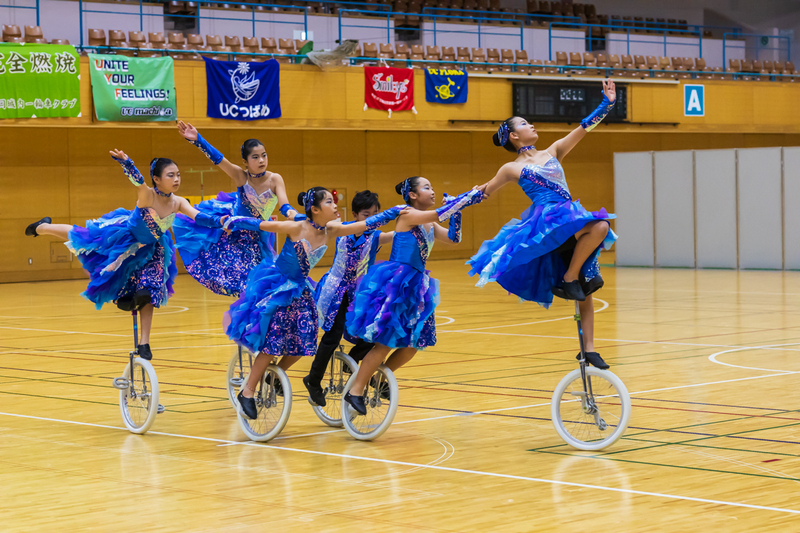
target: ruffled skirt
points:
(221, 261)
(394, 305)
(118, 265)
(523, 257)
(274, 315)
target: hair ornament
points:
(405, 190)
(308, 199)
(502, 133)
(153, 164)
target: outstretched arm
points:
(280, 191)
(293, 229)
(145, 197)
(337, 228)
(562, 147)
(191, 134)
(507, 173)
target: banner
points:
(446, 85)
(243, 91)
(39, 81)
(389, 89)
(133, 89)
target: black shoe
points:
(30, 231)
(276, 384)
(247, 406)
(356, 402)
(570, 291)
(383, 390)
(593, 285)
(145, 353)
(315, 392)
(594, 359)
(134, 301)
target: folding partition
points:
(633, 204)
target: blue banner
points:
(446, 85)
(243, 91)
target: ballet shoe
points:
(569, 290)
(145, 353)
(594, 359)
(30, 231)
(356, 402)
(315, 393)
(593, 285)
(247, 407)
(383, 390)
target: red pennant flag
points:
(389, 89)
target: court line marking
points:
(713, 357)
(446, 323)
(434, 467)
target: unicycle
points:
(381, 399)
(238, 370)
(341, 367)
(138, 385)
(590, 407)
(273, 396)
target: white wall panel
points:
(674, 209)
(791, 216)
(715, 175)
(760, 224)
(633, 203)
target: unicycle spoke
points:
(341, 367)
(380, 397)
(273, 409)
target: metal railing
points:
(505, 16)
(739, 41)
(669, 26)
(627, 30)
(36, 7)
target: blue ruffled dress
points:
(395, 301)
(354, 256)
(125, 252)
(276, 313)
(221, 261)
(523, 258)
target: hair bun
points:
(496, 140)
(301, 198)
(399, 188)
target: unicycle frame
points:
(588, 399)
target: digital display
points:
(572, 95)
(564, 101)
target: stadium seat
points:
(96, 37)
(115, 37)
(136, 37)
(157, 38)
(213, 40)
(11, 31)
(176, 37)
(32, 33)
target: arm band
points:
(597, 116)
(383, 218)
(209, 221)
(130, 170)
(212, 153)
(458, 203)
(285, 208)
(242, 223)
(454, 226)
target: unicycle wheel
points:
(138, 401)
(238, 370)
(333, 384)
(381, 398)
(273, 408)
(587, 425)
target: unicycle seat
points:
(134, 302)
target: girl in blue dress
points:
(130, 253)
(395, 301)
(276, 314)
(354, 255)
(556, 246)
(219, 260)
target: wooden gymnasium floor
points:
(710, 357)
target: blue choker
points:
(164, 194)
(316, 226)
(251, 175)
(525, 149)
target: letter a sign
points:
(694, 103)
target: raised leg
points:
(368, 367)
(588, 239)
(400, 357)
(56, 230)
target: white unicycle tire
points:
(579, 427)
(139, 406)
(237, 375)
(273, 410)
(333, 388)
(380, 411)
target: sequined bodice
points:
(147, 226)
(413, 247)
(545, 183)
(297, 258)
(256, 205)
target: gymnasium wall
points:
(61, 167)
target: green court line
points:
(698, 469)
(724, 448)
(743, 417)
